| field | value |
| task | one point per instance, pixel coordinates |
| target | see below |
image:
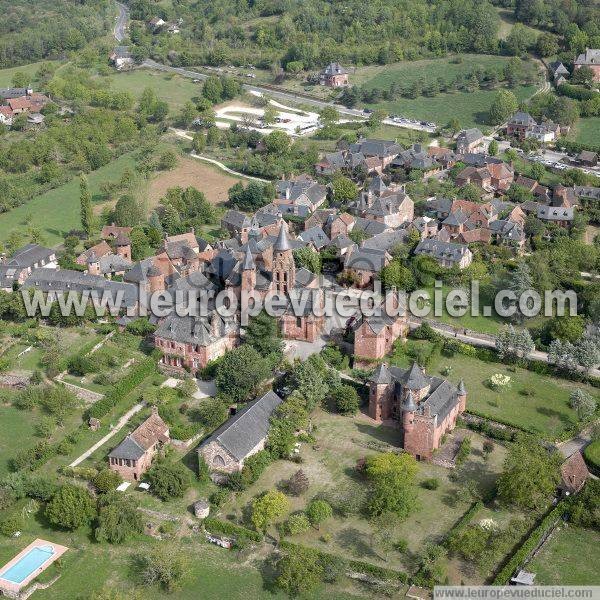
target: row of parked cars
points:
(401, 119)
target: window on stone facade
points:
(298, 321)
(218, 461)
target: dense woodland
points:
(305, 34)
(48, 28)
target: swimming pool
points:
(28, 564)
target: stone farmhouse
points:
(469, 140)
(590, 58)
(134, 455)
(374, 336)
(334, 75)
(241, 436)
(523, 126)
(446, 254)
(424, 407)
(494, 177)
(15, 101)
(300, 196)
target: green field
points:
(6, 75)
(586, 131)
(16, 426)
(469, 108)
(546, 408)
(173, 89)
(57, 211)
(570, 557)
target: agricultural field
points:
(537, 402)
(570, 557)
(329, 464)
(209, 179)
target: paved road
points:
(122, 422)
(121, 24)
(152, 64)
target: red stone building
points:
(425, 408)
(334, 75)
(375, 336)
(133, 456)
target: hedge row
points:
(530, 544)
(217, 526)
(356, 565)
(501, 421)
(576, 92)
(123, 387)
(571, 146)
(465, 519)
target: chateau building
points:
(424, 407)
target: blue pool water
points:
(28, 564)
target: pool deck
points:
(12, 589)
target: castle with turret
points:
(424, 407)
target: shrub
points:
(219, 496)
(297, 484)
(71, 507)
(430, 484)
(81, 365)
(297, 523)
(106, 481)
(318, 511)
(464, 450)
(168, 479)
(10, 525)
(226, 528)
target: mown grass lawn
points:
(57, 211)
(173, 89)
(570, 557)
(469, 108)
(6, 75)
(586, 131)
(545, 410)
(16, 428)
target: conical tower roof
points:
(248, 264)
(381, 375)
(282, 243)
(409, 403)
(415, 380)
(462, 390)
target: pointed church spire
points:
(248, 264)
(282, 243)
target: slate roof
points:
(195, 330)
(28, 256)
(246, 429)
(128, 449)
(387, 240)
(468, 136)
(316, 236)
(438, 401)
(366, 259)
(554, 213)
(8, 93)
(373, 147)
(591, 56)
(441, 250)
(369, 226)
(522, 118)
(282, 243)
(587, 192)
(334, 68)
(381, 375)
(236, 219)
(65, 280)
